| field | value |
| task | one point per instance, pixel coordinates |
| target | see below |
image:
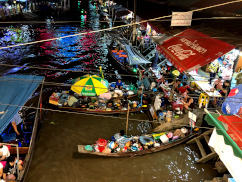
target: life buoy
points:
(145, 140)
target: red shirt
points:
(183, 89)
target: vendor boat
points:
(127, 57)
(59, 100)
(15, 92)
(162, 146)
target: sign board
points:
(181, 18)
(192, 116)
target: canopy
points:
(233, 103)
(135, 57)
(230, 127)
(90, 85)
(15, 90)
(121, 12)
(191, 50)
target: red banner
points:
(191, 50)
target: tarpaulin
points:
(15, 90)
(190, 50)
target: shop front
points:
(191, 50)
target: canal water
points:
(55, 157)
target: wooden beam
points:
(207, 158)
(200, 146)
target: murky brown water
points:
(55, 157)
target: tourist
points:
(225, 89)
(121, 139)
(119, 84)
(217, 83)
(10, 170)
(72, 100)
(184, 88)
(4, 151)
(213, 69)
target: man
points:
(146, 99)
(10, 170)
(119, 84)
(72, 101)
(4, 152)
(16, 123)
(213, 69)
(121, 139)
(217, 83)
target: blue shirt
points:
(119, 84)
(16, 118)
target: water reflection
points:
(57, 160)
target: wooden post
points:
(135, 25)
(127, 123)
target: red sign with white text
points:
(191, 50)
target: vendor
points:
(119, 84)
(225, 89)
(72, 100)
(146, 100)
(187, 102)
(184, 88)
(217, 83)
(121, 139)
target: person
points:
(187, 102)
(213, 69)
(146, 100)
(4, 151)
(119, 84)
(10, 170)
(177, 85)
(238, 78)
(121, 139)
(227, 73)
(225, 89)
(125, 102)
(72, 100)
(16, 123)
(217, 83)
(184, 88)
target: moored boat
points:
(15, 91)
(162, 146)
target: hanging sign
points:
(193, 119)
(181, 18)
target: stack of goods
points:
(137, 143)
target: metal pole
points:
(134, 26)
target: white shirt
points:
(4, 151)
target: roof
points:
(135, 57)
(15, 90)
(190, 50)
(231, 129)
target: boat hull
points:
(81, 148)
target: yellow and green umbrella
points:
(90, 85)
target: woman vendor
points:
(187, 102)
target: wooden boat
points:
(81, 148)
(21, 92)
(125, 67)
(53, 100)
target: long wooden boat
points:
(21, 92)
(81, 148)
(55, 101)
(127, 68)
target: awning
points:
(230, 127)
(15, 90)
(226, 155)
(233, 103)
(135, 57)
(191, 50)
